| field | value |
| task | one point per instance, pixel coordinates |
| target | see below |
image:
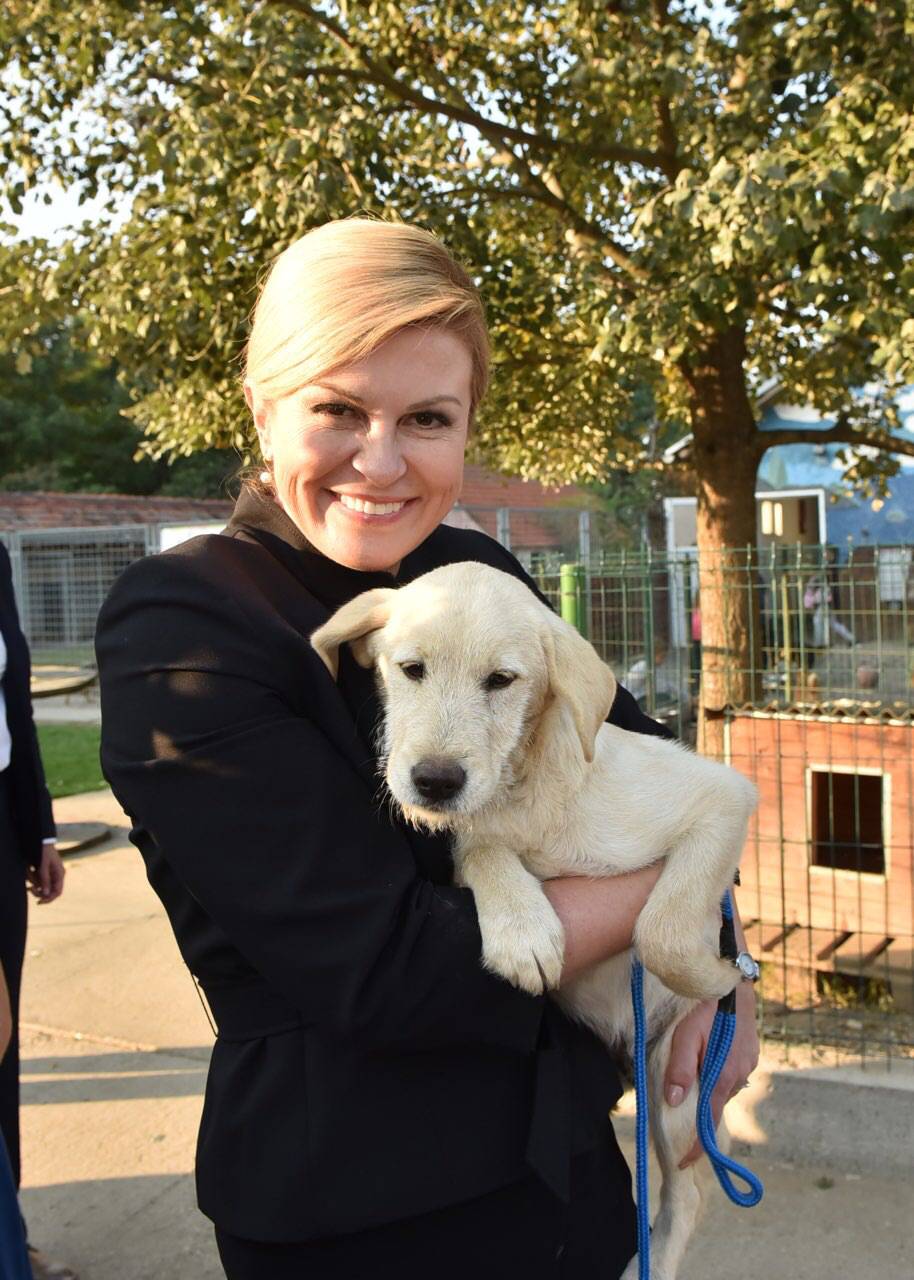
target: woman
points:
(376, 1103)
(28, 859)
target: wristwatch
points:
(748, 967)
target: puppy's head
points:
(476, 674)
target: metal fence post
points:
(503, 527)
(584, 536)
(14, 547)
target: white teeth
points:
(370, 508)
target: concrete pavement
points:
(115, 1045)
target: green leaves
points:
(627, 183)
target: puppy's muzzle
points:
(438, 780)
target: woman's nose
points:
(379, 457)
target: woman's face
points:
(368, 460)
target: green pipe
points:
(573, 596)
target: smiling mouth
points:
(367, 508)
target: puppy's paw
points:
(525, 947)
(685, 963)
(696, 973)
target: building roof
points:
(888, 522)
(23, 511)
(484, 488)
(540, 515)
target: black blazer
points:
(33, 819)
(367, 1068)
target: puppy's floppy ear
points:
(579, 679)
(353, 624)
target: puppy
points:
(494, 730)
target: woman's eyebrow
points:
(433, 400)
(410, 408)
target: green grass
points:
(70, 756)
(80, 655)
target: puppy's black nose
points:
(437, 779)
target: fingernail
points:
(675, 1095)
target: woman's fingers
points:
(686, 1051)
(686, 1054)
(741, 1060)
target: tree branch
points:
(884, 441)
(460, 112)
(669, 139)
(547, 189)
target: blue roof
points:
(779, 416)
(812, 466)
(856, 520)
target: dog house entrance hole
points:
(847, 830)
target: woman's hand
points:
(46, 883)
(687, 1052)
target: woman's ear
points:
(259, 406)
(579, 679)
(355, 625)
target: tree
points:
(62, 427)
(61, 423)
(658, 194)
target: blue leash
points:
(641, 1118)
(718, 1047)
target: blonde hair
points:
(336, 294)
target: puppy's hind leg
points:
(682, 1190)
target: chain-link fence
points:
(823, 724)
(825, 728)
(61, 577)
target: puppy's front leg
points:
(522, 937)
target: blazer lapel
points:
(346, 710)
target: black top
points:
(367, 1068)
(29, 799)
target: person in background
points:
(14, 1258)
(28, 858)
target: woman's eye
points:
(334, 409)
(499, 680)
(413, 670)
(428, 418)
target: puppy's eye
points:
(499, 680)
(413, 670)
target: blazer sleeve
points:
(20, 721)
(273, 831)
(625, 712)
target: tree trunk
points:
(726, 451)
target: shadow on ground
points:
(133, 1228)
(106, 1077)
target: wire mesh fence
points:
(823, 726)
(61, 577)
(821, 717)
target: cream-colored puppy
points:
(494, 730)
